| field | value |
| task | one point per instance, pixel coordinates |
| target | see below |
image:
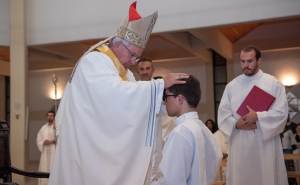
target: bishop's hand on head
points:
(174, 78)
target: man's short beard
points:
(249, 74)
(252, 71)
(51, 121)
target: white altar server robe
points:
(47, 132)
(191, 156)
(254, 157)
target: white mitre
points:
(136, 29)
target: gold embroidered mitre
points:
(136, 29)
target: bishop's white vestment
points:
(192, 154)
(254, 157)
(47, 132)
(105, 124)
(163, 127)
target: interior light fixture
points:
(289, 81)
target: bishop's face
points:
(250, 65)
(128, 54)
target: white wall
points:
(63, 21)
(4, 23)
(41, 89)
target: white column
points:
(19, 87)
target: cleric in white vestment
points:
(46, 144)
(255, 152)
(106, 120)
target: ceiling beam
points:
(215, 40)
(70, 50)
(45, 56)
(185, 41)
(176, 59)
(269, 44)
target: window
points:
(220, 79)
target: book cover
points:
(257, 99)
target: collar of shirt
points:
(257, 75)
(183, 117)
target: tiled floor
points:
(33, 166)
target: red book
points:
(257, 99)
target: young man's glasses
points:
(132, 55)
(165, 96)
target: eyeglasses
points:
(132, 55)
(165, 96)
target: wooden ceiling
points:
(234, 33)
(4, 53)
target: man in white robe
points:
(192, 154)
(46, 144)
(255, 152)
(106, 120)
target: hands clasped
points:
(248, 122)
(49, 142)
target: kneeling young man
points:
(192, 154)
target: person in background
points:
(46, 144)
(296, 145)
(255, 152)
(192, 154)
(287, 138)
(211, 125)
(291, 125)
(287, 135)
(145, 68)
(106, 118)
